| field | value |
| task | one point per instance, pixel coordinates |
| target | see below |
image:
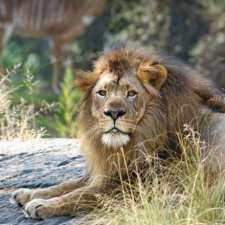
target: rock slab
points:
(32, 164)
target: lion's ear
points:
(85, 80)
(155, 75)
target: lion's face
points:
(118, 105)
(119, 91)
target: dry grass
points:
(16, 121)
(178, 195)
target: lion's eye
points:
(102, 93)
(131, 94)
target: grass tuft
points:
(16, 120)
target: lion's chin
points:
(115, 140)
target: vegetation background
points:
(193, 30)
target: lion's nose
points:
(115, 114)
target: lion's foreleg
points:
(22, 196)
(85, 198)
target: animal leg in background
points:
(56, 64)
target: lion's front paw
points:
(21, 196)
(38, 209)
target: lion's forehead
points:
(105, 79)
(129, 80)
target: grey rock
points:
(36, 163)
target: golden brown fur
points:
(167, 95)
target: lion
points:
(131, 100)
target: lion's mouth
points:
(116, 130)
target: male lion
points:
(131, 101)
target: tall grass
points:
(16, 120)
(180, 193)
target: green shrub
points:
(65, 119)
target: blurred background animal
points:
(58, 20)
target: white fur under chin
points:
(115, 140)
